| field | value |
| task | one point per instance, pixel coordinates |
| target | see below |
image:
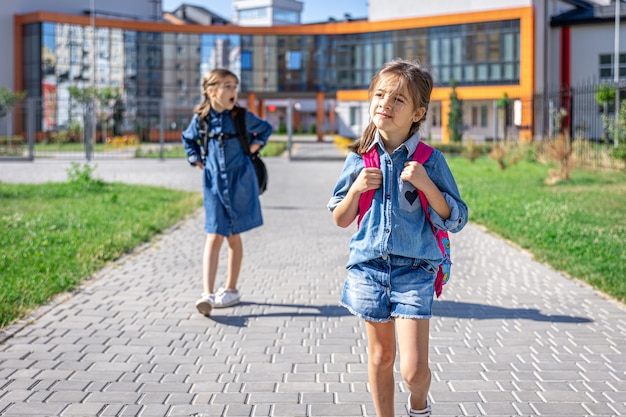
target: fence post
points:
(31, 108)
(289, 126)
(161, 130)
(90, 128)
(496, 121)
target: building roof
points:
(198, 15)
(586, 13)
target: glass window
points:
(354, 115)
(483, 115)
(246, 60)
(294, 60)
(434, 52)
(495, 72)
(288, 16)
(469, 73)
(253, 14)
(606, 66)
(445, 51)
(457, 50)
(436, 116)
(483, 72)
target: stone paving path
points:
(511, 337)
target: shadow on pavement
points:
(462, 310)
(452, 309)
(283, 310)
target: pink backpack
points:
(421, 155)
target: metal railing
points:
(577, 113)
(35, 128)
(43, 128)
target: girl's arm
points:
(259, 131)
(347, 210)
(190, 138)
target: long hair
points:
(402, 73)
(211, 79)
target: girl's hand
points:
(200, 165)
(348, 209)
(368, 179)
(254, 147)
(415, 173)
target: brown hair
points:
(418, 81)
(210, 79)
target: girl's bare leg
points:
(235, 256)
(413, 335)
(381, 342)
(210, 260)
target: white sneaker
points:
(425, 412)
(226, 298)
(205, 304)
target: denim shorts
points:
(394, 286)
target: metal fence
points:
(38, 128)
(577, 113)
(92, 130)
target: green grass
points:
(578, 227)
(54, 235)
(171, 151)
(273, 148)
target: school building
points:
(491, 49)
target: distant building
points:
(196, 15)
(267, 12)
(490, 48)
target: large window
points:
(286, 16)
(476, 54)
(253, 14)
(606, 66)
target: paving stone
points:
(509, 336)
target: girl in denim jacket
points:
(231, 193)
(394, 255)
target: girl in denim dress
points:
(394, 255)
(230, 189)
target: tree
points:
(106, 96)
(455, 117)
(8, 99)
(605, 97)
(617, 130)
(503, 106)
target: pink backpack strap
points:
(371, 159)
(421, 155)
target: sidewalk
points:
(511, 337)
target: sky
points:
(313, 10)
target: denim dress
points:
(230, 189)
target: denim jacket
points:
(395, 223)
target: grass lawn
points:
(578, 227)
(272, 148)
(54, 235)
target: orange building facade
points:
(157, 67)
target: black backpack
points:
(239, 117)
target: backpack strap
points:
(204, 135)
(371, 159)
(421, 155)
(239, 117)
